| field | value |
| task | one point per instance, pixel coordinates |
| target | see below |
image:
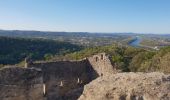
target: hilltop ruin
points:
(60, 80)
(92, 78)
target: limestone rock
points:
(129, 86)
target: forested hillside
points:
(125, 58)
(152, 61)
(120, 55)
(14, 50)
(129, 58)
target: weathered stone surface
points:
(65, 80)
(61, 77)
(21, 84)
(102, 64)
(72, 74)
(129, 86)
(60, 80)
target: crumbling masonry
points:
(60, 80)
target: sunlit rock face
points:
(129, 86)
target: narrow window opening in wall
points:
(61, 83)
(44, 90)
(78, 81)
(102, 57)
(96, 59)
(101, 74)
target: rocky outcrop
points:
(129, 86)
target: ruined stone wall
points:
(60, 80)
(102, 64)
(63, 76)
(66, 70)
(21, 84)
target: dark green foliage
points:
(48, 56)
(140, 59)
(129, 58)
(152, 61)
(121, 56)
(90, 51)
(14, 50)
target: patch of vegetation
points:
(1, 65)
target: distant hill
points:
(48, 34)
(79, 38)
(14, 50)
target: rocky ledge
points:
(129, 86)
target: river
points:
(136, 42)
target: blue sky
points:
(141, 16)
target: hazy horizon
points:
(85, 32)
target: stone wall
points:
(60, 80)
(102, 64)
(61, 77)
(20, 84)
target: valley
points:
(52, 69)
(84, 50)
(124, 49)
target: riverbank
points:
(136, 42)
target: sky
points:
(138, 16)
